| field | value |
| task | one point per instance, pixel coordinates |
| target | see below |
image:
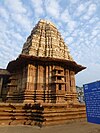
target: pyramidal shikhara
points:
(46, 41)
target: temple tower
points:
(45, 71)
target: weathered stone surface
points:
(39, 114)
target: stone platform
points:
(36, 114)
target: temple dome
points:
(46, 41)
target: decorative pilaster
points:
(73, 87)
(1, 82)
(30, 84)
(72, 81)
(47, 83)
(67, 81)
(40, 92)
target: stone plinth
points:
(39, 114)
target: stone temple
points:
(42, 78)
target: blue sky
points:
(77, 20)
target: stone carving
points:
(46, 41)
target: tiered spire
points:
(46, 41)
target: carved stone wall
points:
(14, 89)
(41, 83)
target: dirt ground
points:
(74, 127)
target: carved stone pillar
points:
(72, 82)
(30, 84)
(67, 87)
(50, 88)
(39, 83)
(22, 88)
(47, 83)
(67, 81)
(1, 82)
(73, 87)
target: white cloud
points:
(3, 13)
(3, 26)
(63, 33)
(59, 24)
(66, 17)
(75, 33)
(90, 12)
(73, 1)
(52, 8)
(95, 32)
(18, 14)
(22, 20)
(69, 40)
(16, 6)
(72, 25)
(38, 7)
(93, 20)
(92, 9)
(80, 10)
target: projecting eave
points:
(4, 72)
(23, 60)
